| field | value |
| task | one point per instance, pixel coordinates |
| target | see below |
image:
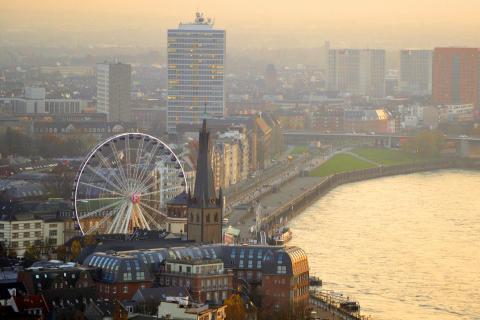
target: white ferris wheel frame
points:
(99, 146)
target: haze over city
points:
(239, 160)
(251, 24)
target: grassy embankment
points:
(343, 162)
(299, 150)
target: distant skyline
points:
(249, 24)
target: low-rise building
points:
(122, 275)
(173, 310)
(206, 279)
(21, 231)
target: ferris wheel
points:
(125, 183)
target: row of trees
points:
(15, 142)
(426, 143)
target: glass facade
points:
(196, 56)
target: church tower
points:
(204, 212)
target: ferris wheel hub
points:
(135, 198)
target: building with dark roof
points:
(177, 214)
(279, 273)
(121, 275)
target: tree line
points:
(16, 142)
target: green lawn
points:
(299, 150)
(386, 156)
(340, 163)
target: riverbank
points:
(289, 207)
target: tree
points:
(3, 250)
(235, 307)
(426, 143)
(60, 181)
(89, 240)
(32, 253)
(12, 253)
(61, 252)
(75, 249)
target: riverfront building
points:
(456, 76)
(357, 71)
(196, 60)
(416, 72)
(209, 272)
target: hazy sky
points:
(259, 23)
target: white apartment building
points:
(357, 71)
(27, 230)
(416, 72)
(113, 90)
(196, 63)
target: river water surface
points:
(406, 247)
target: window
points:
(15, 227)
(15, 235)
(38, 234)
(52, 225)
(2, 235)
(26, 226)
(52, 233)
(37, 225)
(26, 243)
(2, 226)
(26, 234)
(14, 244)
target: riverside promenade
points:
(286, 201)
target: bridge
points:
(465, 146)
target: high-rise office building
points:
(416, 72)
(113, 90)
(196, 61)
(357, 71)
(456, 76)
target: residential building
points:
(98, 129)
(279, 273)
(456, 113)
(113, 90)
(456, 76)
(196, 61)
(328, 119)
(416, 72)
(23, 230)
(368, 121)
(122, 275)
(173, 310)
(51, 278)
(206, 279)
(357, 71)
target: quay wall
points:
(298, 204)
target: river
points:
(405, 247)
